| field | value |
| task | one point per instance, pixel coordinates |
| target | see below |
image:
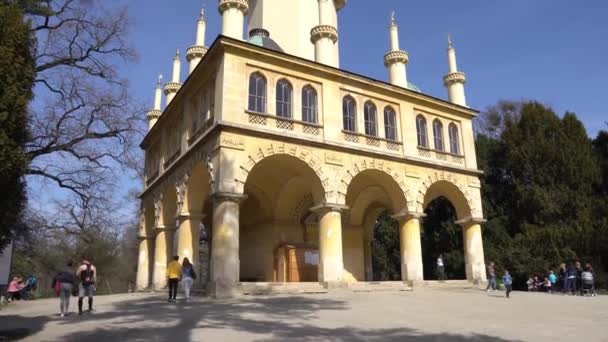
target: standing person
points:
(88, 276)
(188, 276)
(508, 282)
(173, 273)
(440, 268)
(563, 278)
(65, 281)
(553, 279)
(579, 273)
(491, 277)
(571, 279)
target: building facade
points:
(285, 161)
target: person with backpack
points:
(88, 276)
(174, 270)
(63, 284)
(188, 277)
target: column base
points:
(334, 285)
(223, 290)
(411, 272)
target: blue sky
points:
(554, 51)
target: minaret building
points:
(455, 79)
(233, 14)
(325, 35)
(395, 60)
(172, 87)
(155, 112)
(195, 53)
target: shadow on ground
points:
(152, 319)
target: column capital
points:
(189, 216)
(326, 207)
(228, 196)
(163, 228)
(408, 215)
(468, 221)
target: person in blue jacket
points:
(508, 282)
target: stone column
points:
(410, 246)
(225, 263)
(331, 265)
(162, 255)
(473, 250)
(143, 264)
(188, 236)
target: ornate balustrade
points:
(446, 157)
(285, 125)
(372, 141)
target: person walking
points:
(571, 279)
(440, 268)
(491, 277)
(173, 273)
(508, 282)
(188, 277)
(64, 283)
(87, 273)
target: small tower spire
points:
(454, 81)
(195, 53)
(154, 113)
(396, 59)
(173, 87)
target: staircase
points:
(379, 286)
(262, 288)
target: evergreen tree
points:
(17, 72)
(386, 262)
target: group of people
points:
(569, 280)
(68, 281)
(507, 280)
(176, 272)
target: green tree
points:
(386, 262)
(17, 73)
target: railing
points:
(442, 156)
(284, 124)
(372, 141)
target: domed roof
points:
(261, 37)
(412, 86)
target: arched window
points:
(421, 131)
(349, 114)
(438, 135)
(309, 104)
(284, 99)
(454, 145)
(390, 124)
(369, 117)
(257, 93)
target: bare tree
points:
(492, 121)
(85, 125)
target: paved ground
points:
(424, 315)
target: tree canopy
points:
(17, 73)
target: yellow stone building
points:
(287, 160)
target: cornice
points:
(454, 77)
(393, 57)
(195, 51)
(241, 5)
(172, 87)
(323, 31)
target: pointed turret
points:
(195, 53)
(455, 79)
(154, 113)
(395, 60)
(172, 87)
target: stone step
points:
(445, 284)
(379, 286)
(258, 288)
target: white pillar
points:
(177, 64)
(173, 87)
(331, 264)
(473, 250)
(410, 247)
(325, 36)
(195, 53)
(454, 80)
(233, 13)
(155, 112)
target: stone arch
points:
(446, 185)
(287, 150)
(357, 167)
